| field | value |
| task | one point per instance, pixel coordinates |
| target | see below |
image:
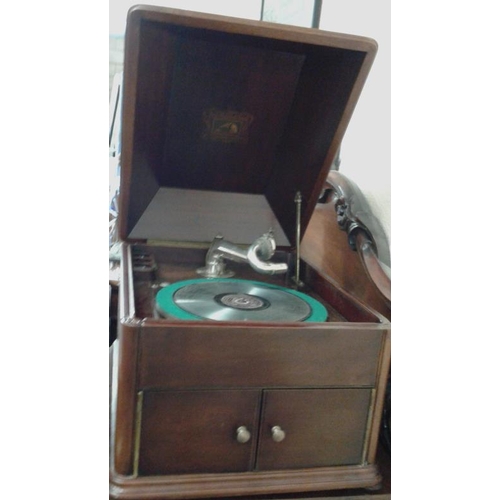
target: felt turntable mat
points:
(225, 299)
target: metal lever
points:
(243, 434)
(278, 434)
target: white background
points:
(366, 153)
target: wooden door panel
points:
(196, 431)
(322, 427)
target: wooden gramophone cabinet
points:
(224, 122)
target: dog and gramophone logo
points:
(227, 126)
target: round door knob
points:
(278, 434)
(243, 434)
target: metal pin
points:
(298, 210)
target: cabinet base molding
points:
(246, 483)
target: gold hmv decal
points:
(227, 126)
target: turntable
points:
(226, 299)
(240, 368)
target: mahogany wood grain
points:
(176, 263)
(190, 486)
(382, 378)
(195, 431)
(297, 88)
(326, 248)
(341, 481)
(372, 265)
(172, 354)
(124, 404)
(182, 356)
(323, 427)
(353, 310)
(171, 376)
(315, 129)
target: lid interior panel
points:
(231, 113)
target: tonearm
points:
(257, 255)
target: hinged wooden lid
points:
(225, 120)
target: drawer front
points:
(313, 428)
(198, 431)
(221, 356)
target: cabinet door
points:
(312, 428)
(198, 431)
